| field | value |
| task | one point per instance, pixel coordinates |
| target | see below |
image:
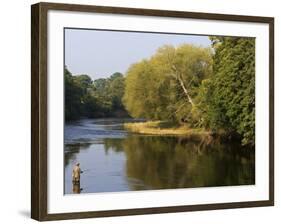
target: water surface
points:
(114, 160)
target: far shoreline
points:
(165, 128)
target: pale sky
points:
(100, 53)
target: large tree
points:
(164, 86)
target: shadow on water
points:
(138, 162)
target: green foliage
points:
(154, 88)
(99, 98)
(109, 93)
(73, 95)
(116, 90)
(229, 95)
(84, 81)
(213, 89)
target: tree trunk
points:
(177, 75)
(185, 91)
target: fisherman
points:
(76, 173)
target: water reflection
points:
(138, 162)
(71, 150)
(167, 162)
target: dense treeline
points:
(99, 98)
(209, 88)
(212, 88)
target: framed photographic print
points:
(140, 111)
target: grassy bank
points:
(164, 128)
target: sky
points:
(99, 53)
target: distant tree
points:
(116, 90)
(116, 75)
(73, 96)
(84, 81)
(87, 98)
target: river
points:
(114, 160)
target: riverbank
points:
(165, 128)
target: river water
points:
(113, 160)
